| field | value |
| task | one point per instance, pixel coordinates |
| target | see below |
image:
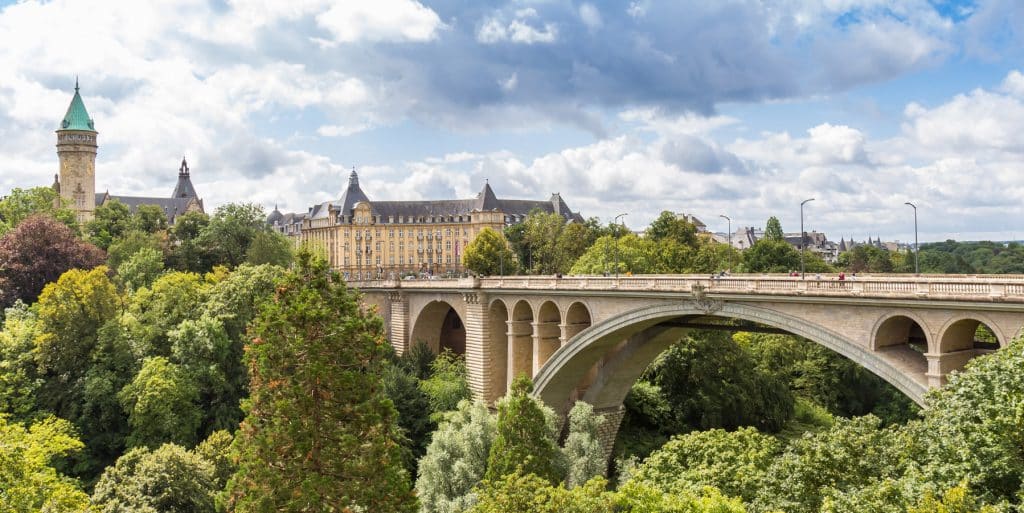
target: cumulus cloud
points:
(380, 20)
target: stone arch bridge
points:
(590, 338)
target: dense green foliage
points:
(28, 481)
(489, 255)
(319, 432)
(169, 479)
(456, 460)
(525, 440)
(20, 204)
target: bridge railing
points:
(1005, 287)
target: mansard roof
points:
(485, 200)
(172, 207)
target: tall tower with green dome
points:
(76, 149)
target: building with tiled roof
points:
(76, 180)
(364, 238)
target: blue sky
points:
(736, 107)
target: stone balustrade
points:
(1009, 288)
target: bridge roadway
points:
(589, 338)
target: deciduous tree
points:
(162, 405)
(110, 222)
(21, 204)
(37, 252)
(456, 459)
(28, 481)
(168, 479)
(489, 254)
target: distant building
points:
(76, 181)
(366, 239)
(692, 219)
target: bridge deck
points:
(1005, 288)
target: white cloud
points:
(380, 20)
(493, 30)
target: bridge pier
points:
(520, 349)
(570, 330)
(608, 429)
(941, 364)
(399, 322)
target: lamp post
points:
(917, 269)
(730, 227)
(802, 244)
(616, 221)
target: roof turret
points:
(275, 216)
(184, 188)
(77, 118)
(486, 200)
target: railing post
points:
(996, 289)
(922, 288)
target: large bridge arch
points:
(627, 343)
(439, 325)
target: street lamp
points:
(917, 269)
(616, 221)
(730, 227)
(802, 241)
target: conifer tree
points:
(524, 441)
(319, 433)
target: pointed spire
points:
(76, 117)
(183, 170)
(353, 178)
(486, 200)
(184, 188)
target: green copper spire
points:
(77, 118)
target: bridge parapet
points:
(1008, 288)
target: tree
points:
(710, 382)
(168, 479)
(71, 312)
(206, 354)
(456, 459)
(19, 379)
(141, 269)
(525, 442)
(773, 230)
(631, 253)
(527, 493)
(771, 256)
(187, 252)
(849, 455)
(489, 255)
(132, 242)
(583, 452)
(734, 462)
(28, 481)
(38, 252)
(973, 428)
(447, 384)
(319, 432)
(149, 219)
(669, 226)
(636, 497)
(412, 405)
(154, 311)
(216, 449)
(269, 247)
(110, 222)
(231, 231)
(161, 403)
(21, 204)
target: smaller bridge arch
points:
(498, 335)
(520, 340)
(546, 334)
(577, 318)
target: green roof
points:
(77, 118)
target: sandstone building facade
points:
(366, 239)
(76, 180)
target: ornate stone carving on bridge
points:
(395, 297)
(702, 302)
(471, 298)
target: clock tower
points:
(76, 150)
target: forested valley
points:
(207, 366)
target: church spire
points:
(183, 170)
(353, 178)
